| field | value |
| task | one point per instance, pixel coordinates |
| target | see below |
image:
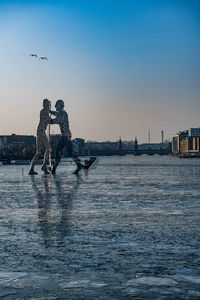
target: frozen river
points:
(129, 229)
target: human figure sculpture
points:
(61, 118)
(42, 141)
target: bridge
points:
(133, 152)
(152, 152)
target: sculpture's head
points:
(59, 105)
(46, 104)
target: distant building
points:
(186, 142)
(3, 142)
(176, 141)
(102, 148)
(17, 146)
(7, 141)
(190, 144)
(194, 131)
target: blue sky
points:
(122, 67)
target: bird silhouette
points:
(33, 55)
(44, 57)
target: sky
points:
(122, 67)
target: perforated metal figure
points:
(65, 140)
(42, 141)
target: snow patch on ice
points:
(157, 281)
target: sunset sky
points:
(123, 67)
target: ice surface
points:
(127, 228)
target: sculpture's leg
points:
(34, 159)
(74, 156)
(47, 154)
(59, 148)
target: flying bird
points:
(44, 57)
(33, 55)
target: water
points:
(127, 229)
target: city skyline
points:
(122, 68)
(120, 138)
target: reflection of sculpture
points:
(54, 221)
(65, 196)
(42, 141)
(65, 141)
(44, 201)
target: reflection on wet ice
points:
(55, 202)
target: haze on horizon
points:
(122, 67)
